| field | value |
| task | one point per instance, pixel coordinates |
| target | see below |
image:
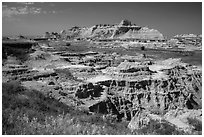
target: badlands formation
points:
(108, 69)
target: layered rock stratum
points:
(123, 30)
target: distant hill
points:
(188, 36)
(123, 30)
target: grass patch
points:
(31, 112)
(75, 47)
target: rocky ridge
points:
(123, 30)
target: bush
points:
(68, 44)
(195, 123)
(12, 87)
(142, 48)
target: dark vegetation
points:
(17, 49)
(142, 48)
(196, 124)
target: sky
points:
(170, 18)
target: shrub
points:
(142, 48)
(195, 123)
(68, 44)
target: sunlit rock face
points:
(125, 23)
(169, 85)
(124, 30)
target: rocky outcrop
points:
(124, 30)
(140, 120)
(184, 40)
(125, 23)
(37, 76)
(181, 90)
(105, 107)
(15, 69)
(88, 90)
(143, 33)
(186, 35)
(180, 118)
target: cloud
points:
(26, 3)
(8, 12)
(24, 8)
(12, 11)
(51, 12)
(35, 10)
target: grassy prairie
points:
(75, 47)
(193, 58)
